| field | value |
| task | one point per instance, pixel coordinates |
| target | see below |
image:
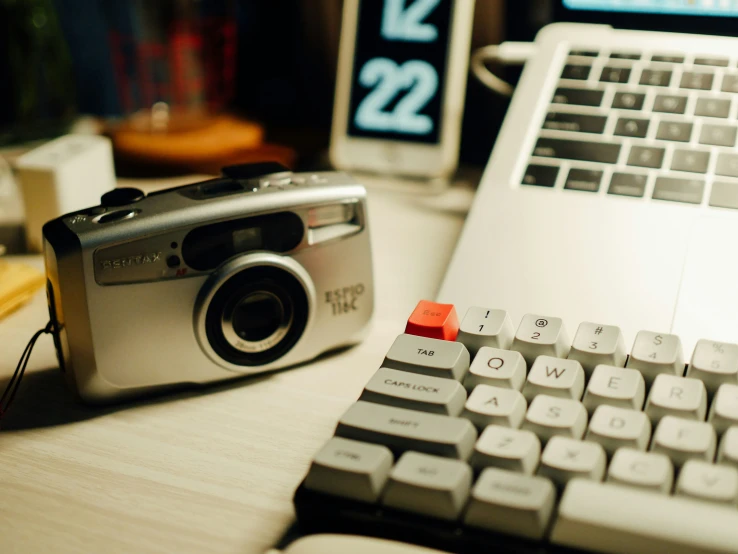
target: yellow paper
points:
(18, 284)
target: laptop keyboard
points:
(473, 434)
(658, 126)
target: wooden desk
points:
(209, 470)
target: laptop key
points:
(697, 80)
(576, 72)
(724, 195)
(646, 156)
(667, 58)
(714, 363)
(628, 101)
(730, 83)
(540, 175)
(724, 408)
(586, 180)
(647, 470)
(678, 396)
(498, 368)
(727, 165)
(690, 160)
(715, 62)
(433, 357)
(656, 77)
(577, 123)
(615, 386)
(712, 107)
(505, 448)
(565, 459)
(709, 482)
(596, 344)
(612, 74)
(602, 152)
(718, 135)
(484, 327)
(683, 439)
(625, 56)
(549, 416)
(628, 184)
(615, 428)
(689, 191)
(675, 131)
(585, 53)
(578, 96)
(728, 453)
(537, 336)
(495, 406)
(665, 103)
(656, 353)
(628, 127)
(555, 377)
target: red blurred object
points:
(433, 320)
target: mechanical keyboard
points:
(477, 434)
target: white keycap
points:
(564, 459)
(511, 503)
(555, 377)
(615, 386)
(714, 363)
(728, 453)
(682, 440)
(603, 517)
(484, 327)
(403, 389)
(428, 485)
(541, 336)
(724, 408)
(512, 449)
(495, 406)
(644, 470)
(499, 368)
(351, 469)
(433, 357)
(549, 416)
(708, 482)
(596, 344)
(615, 428)
(677, 396)
(655, 353)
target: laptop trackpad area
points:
(707, 305)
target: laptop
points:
(611, 195)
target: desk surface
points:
(209, 470)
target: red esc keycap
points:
(433, 320)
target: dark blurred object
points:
(37, 97)
(526, 17)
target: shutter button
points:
(121, 197)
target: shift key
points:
(433, 357)
(577, 150)
(400, 430)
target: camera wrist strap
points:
(12, 387)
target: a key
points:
(513, 449)
(674, 131)
(646, 156)
(730, 83)
(728, 452)
(668, 58)
(428, 485)
(484, 327)
(577, 123)
(615, 386)
(667, 103)
(724, 408)
(628, 184)
(540, 175)
(724, 195)
(351, 469)
(401, 429)
(644, 470)
(628, 101)
(709, 482)
(727, 165)
(612, 74)
(549, 416)
(656, 77)
(655, 353)
(677, 396)
(694, 161)
(555, 377)
(603, 152)
(578, 96)
(578, 72)
(689, 191)
(498, 368)
(539, 336)
(564, 459)
(495, 406)
(433, 357)
(718, 135)
(587, 180)
(596, 344)
(714, 363)
(713, 61)
(433, 320)
(403, 389)
(682, 440)
(697, 80)
(629, 127)
(615, 428)
(713, 107)
(511, 503)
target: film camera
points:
(257, 270)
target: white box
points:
(67, 174)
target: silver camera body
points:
(239, 275)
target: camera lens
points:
(257, 316)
